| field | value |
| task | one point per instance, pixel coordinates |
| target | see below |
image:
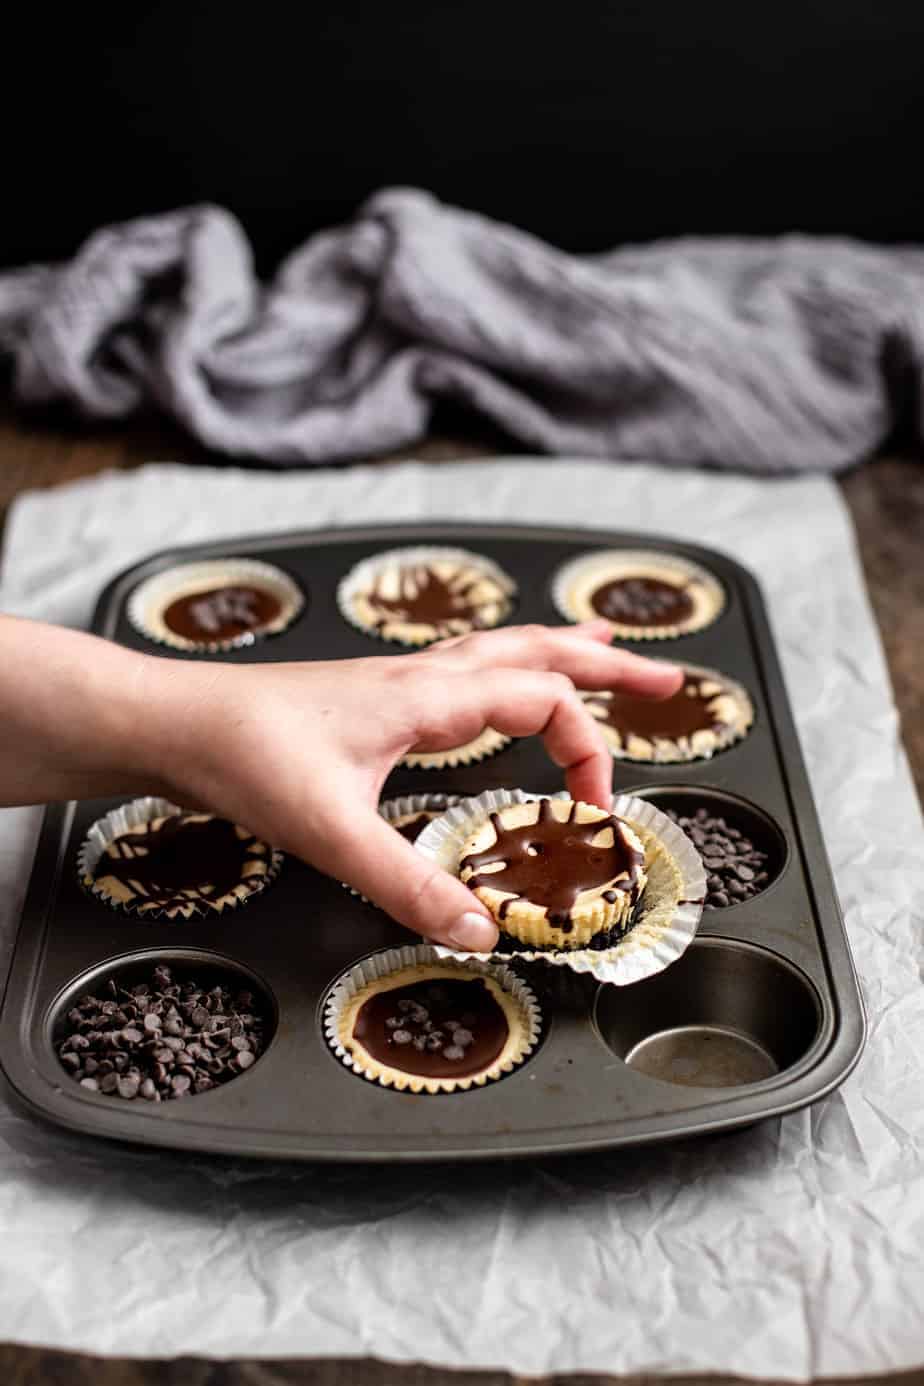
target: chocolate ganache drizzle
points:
(221, 613)
(551, 863)
(179, 856)
(642, 601)
(428, 599)
(445, 1028)
(683, 713)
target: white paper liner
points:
(150, 599)
(127, 818)
(363, 576)
(647, 948)
(608, 562)
(488, 743)
(667, 752)
(390, 809)
(389, 960)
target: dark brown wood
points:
(886, 500)
(28, 1366)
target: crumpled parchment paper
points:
(793, 1248)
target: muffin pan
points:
(760, 1016)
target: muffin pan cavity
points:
(744, 850)
(725, 1015)
(760, 1015)
(160, 1025)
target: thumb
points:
(415, 891)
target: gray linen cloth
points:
(773, 355)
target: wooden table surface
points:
(886, 500)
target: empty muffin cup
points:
(725, 1015)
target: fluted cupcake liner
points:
(575, 581)
(668, 912)
(363, 577)
(421, 963)
(700, 745)
(149, 601)
(129, 818)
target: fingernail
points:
(474, 933)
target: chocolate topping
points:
(446, 1027)
(180, 857)
(221, 613)
(550, 863)
(427, 599)
(683, 713)
(642, 601)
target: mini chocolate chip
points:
(152, 1023)
(737, 888)
(435, 1041)
(453, 1051)
(70, 1060)
(420, 1042)
(147, 1090)
(402, 1036)
(199, 1016)
(128, 1088)
(240, 1042)
(720, 898)
(90, 1083)
(462, 1037)
(109, 1082)
(245, 1059)
(180, 1083)
(131, 1035)
(745, 873)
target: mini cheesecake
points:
(706, 714)
(215, 605)
(435, 1027)
(555, 873)
(180, 864)
(644, 596)
(415, 596)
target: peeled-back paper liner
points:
(660, 935)
(381, 965)
(150, 599)
(667, 752)
(391, 809)
(607, 562)
(128, 818)
(488, 743)
(363, 577)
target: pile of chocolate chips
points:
(734, 866)
(412, 1025)
(161, 1039)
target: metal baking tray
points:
(773, 973)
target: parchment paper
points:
(794, 1248)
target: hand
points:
(299, 752)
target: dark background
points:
(591, 124)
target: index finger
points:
(582, 653)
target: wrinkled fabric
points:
(768, 355)
(792, 1249)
